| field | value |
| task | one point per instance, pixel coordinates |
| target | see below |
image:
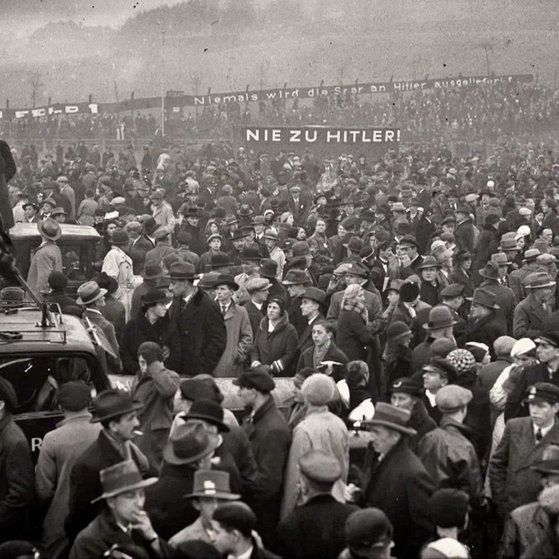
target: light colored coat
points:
(239, 342)
(59, 452)
(47, 259)
(320, 430)
(118, 265)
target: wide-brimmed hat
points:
(500, 258)
(207, 410)
(357, 269)
(113, 403)
(191, 211)
(271, 234)
(490, 271)
(182, 271)
(120, 478)
(508, 242)
(392, 417)
(58, 211)
(394, 285)
(190, 442)
(531, 255)
(268, 268)
(213, 237)
(89, 292)
(152, 272)
(296, 277)
(153, 296)
(226, 279)
(212, 484)
(440, 317)
(538, 280)
(49, 229)
(314, 294)
(485, 298)
(429, 262)
(120, 237)
(251, 253)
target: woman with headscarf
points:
(276, 341)
(155, 387)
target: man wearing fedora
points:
(122, 524)
(276, 253)
(152, 325)
(504, 296)
(516, 277)
(117, 413)
(58, 454)
(484, 325)
(191, 225)
(546, 370)
(315, 530)
(513, 481)
(237, 326)
(312, 303)
(296, 282)
(118, 265)
(211, 488)
(190, 447)
(530, 524)
(269, 270)
(162, 249)
(440, 325)
(92, 297)
(47, 258)
(258, 290)
(396, 481)
(152, 276)
(465, 231)
(531, 312)
(200, 323)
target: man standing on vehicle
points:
(47, 257)
(16, 470)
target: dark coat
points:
(166, 506)
(401, 487)
(528, 377)
(332, 354)
(103, 533)
(314, 530)
(17, 480)
(465, 235)
(85, 485)
(163, 332)
(137, 253)
(202, 333)
(485, 330)
(529, 317)
(504, 297)
(305, 339)
(422, 422)
(459, 275)
(513, 482)
(280, 344)
(7, 171)
(255, 316)
(270, 438)
(353, 337)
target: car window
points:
(36, 379)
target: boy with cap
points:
(524, 440)
(368, 534)
(446, 452)
(232, 526)
(270, 438)
(122, 523)
(437, 373)
(211, 488)
(16, 469)
(314, 530)
(59, 452)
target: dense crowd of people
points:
(410, 302)
(469, 113)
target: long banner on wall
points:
(176, 102)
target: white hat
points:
(522, 346)
(449, 548)
(490, 184)
(524, 230)
(526, 212)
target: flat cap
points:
(452, 397)
(406, 385)
(550, 337)
(442, 366)
(320, 466)
(257, 284)
(258, 378)
(74, 395)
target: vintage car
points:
(77, 244)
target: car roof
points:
(21, 331)
(69, 232)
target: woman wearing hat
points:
(430, 290)
(118, 264)
(47, 257)
(276, 341)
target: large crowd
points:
(410, 304)
(467, 113)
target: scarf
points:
(351, 305)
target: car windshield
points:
(36, 379)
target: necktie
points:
(223, 309)
(539, 435)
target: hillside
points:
(209, 43)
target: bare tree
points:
(35, 83)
